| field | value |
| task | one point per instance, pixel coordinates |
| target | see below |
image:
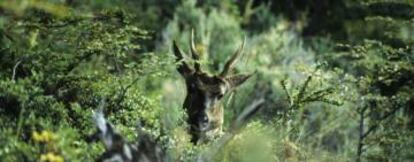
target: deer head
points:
(205, 92)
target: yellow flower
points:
(44, 136)
(51, 157)
(36, 136)
(47, 136)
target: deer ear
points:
(182, 67)
(237, 80)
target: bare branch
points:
(14, 70)
(247, 114)
(373, 127)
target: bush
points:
(337, 85)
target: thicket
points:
(336, 76)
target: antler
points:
(183, 67)
(230, 63)
(194, 53)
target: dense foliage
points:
(336, 76)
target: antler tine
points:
(194, 53)
(230, 63)
(183, 67)
(177, 52)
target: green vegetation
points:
(337, 76)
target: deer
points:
(117, 149)
(205, 92)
